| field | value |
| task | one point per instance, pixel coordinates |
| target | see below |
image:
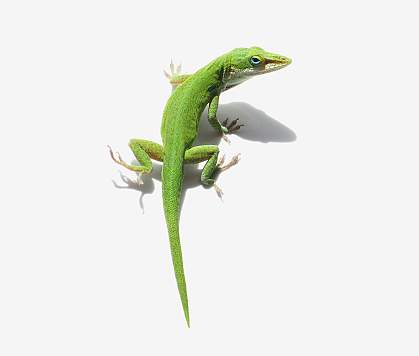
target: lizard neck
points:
(184, 108)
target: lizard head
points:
(245, 63)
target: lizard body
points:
(191, 94)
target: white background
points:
(314, 249)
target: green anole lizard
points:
(191, 94)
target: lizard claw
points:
(232, 126)
(218, 191)
(116, 159)
(221, 161)
(172, 67)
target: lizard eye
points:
(255, 60)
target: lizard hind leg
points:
(144, 151)
(209, 153)
(204, 153)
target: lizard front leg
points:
(223, 128)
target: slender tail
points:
(172, 177)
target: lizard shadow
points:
(258, 126)
(191, 179)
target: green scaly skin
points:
(191, 94)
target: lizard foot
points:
(174, 71)
(116, 157)
(232, 126)
(232, 163)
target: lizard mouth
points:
(274, 64)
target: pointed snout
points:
(277, 61)
(287, 60)
(282, 60)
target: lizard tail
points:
(172, 177)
